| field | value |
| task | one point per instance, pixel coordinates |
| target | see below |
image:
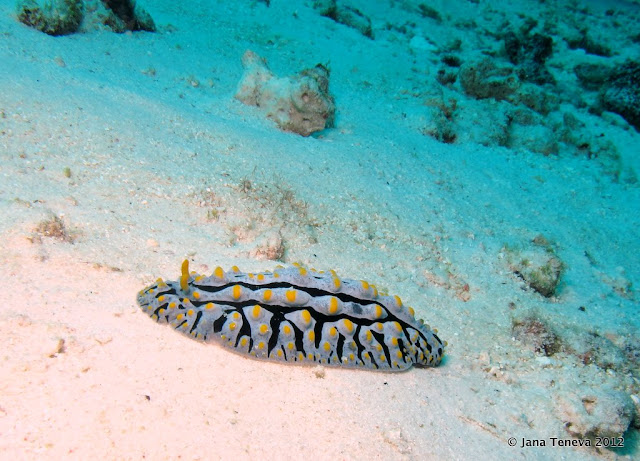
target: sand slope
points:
(164, 164)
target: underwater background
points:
(479, 159)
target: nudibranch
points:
(295, 315)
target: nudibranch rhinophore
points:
(295, 315)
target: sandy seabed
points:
(133, 146)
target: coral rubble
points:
(59, 17)
(300, 103)
(64, 17)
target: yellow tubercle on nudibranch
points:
(337, 283)
(184, 279)
(306, 317)
(334, 305)
(290, 295)
(348, 324)
(398, 301)
(295, 314)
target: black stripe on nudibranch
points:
(217, 324)
(196, 321)
(276, 320)
(295, 315)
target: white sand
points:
(85, 374)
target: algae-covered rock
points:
(485, 79)
(590, 43)
(592, 76)
(534, 137)
(622, 94)
(484, 122)
(345, 14)
(597, 412)
(56, 17)
(538, 266)
(529, 52)
(535, 333)
(543, 277)
(63, 17)
(129, 15)
(536, 97)
(300, 103)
